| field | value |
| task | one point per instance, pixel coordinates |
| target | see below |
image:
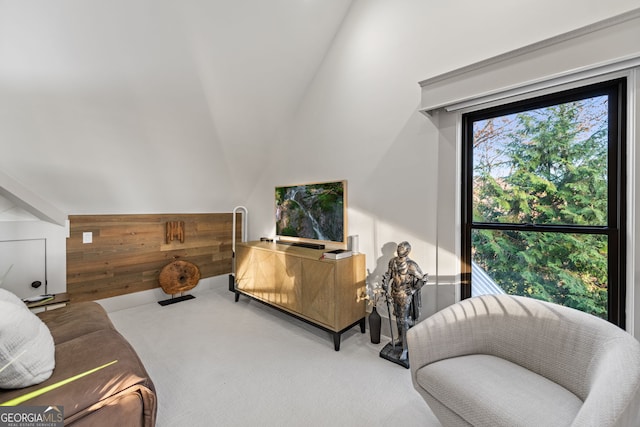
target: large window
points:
(544, 199)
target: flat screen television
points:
(312, 212)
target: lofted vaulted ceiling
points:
(106, 104)
(135, 106)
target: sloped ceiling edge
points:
(25, 199)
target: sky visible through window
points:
(551, 145)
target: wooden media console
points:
(299, 282)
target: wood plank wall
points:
(128, 251)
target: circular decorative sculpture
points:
(179, 276)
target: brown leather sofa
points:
(121, 393)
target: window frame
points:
(615, 230)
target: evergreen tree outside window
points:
(544, 198)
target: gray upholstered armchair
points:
(499, 360)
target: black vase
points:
(375, 321)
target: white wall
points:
(359, 118)
(26, 221)
(56, 250)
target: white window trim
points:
(494, 81)
(602, 48)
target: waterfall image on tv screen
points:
(312, 211)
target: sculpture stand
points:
(393, 354)
(173, 300)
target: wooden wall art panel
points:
(128, 252)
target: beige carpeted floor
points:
(219, 363)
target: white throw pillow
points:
(9, 296)
(27, 351)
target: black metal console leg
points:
(237, 296)
(336, 341)
(362, 325)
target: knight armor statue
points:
(402, 283)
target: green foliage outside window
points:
(544, 167)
